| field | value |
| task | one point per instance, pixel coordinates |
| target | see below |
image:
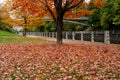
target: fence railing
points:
(93, 36)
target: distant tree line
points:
(50, 27)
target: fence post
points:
(66, 35)
(52, 34)
(81, 35)
(56, 34)
(40, 33)
(49, 34)
(35, 33)
(92, 36)
(46, 34)
(73, 35)
(43, 33)
(106, 37)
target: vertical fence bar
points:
(35, 34)
(107, 37)
(56, 34)
(52, 34)
(92, 36)
(43, 34)
(48, 34)
(81, 35)
(66, 35)
(40, 33)
(73, 35)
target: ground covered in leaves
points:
(48, 61)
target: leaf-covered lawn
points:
(48, 61)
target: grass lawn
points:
(7, 37)
(5, 33)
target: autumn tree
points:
(3, 25)
(57, 10)
(26, 21)
(23, 13)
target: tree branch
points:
(68, 3)
(45, 3)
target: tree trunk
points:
(24, 32)
(59, 25)
(24, 29)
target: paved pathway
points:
(76, 42)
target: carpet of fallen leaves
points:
(48, 61)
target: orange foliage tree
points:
(60, 9)
(56, 10)
(24, 13)
(98, 3)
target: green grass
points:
(19, 39)
(6, 37)
(5, 33)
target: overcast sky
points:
(1, 1)
(87, 1)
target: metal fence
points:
(93, 36)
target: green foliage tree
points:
(116, 9)
(46, 27)
(50, 27)
(94, 20)
(72, 27)
(106, 17)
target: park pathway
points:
(75, 42)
